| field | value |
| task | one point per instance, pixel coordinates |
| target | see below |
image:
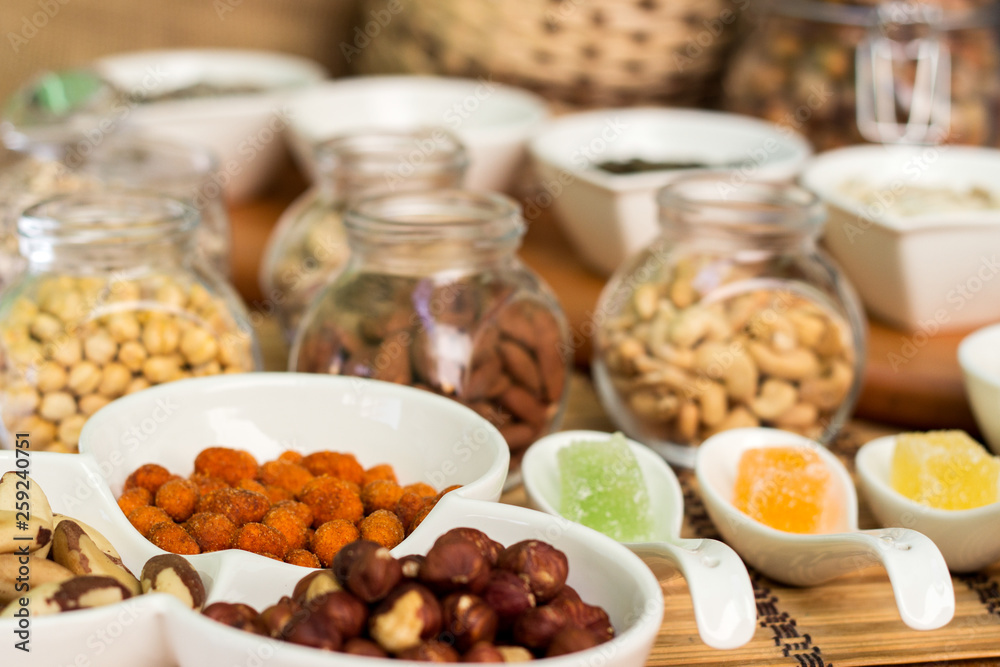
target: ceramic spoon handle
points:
(721, 592)
(919, 576)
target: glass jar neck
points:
(364, 164)
(103, 232)
(770, 218)
(433, 232)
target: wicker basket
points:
(581, 52)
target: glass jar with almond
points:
(113, 300)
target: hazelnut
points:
(536, 627)
(344, 611)
(508, 595)
(455, 564)
(541, 564)
(315, 584)
(410, 565)
(490, 548)
(483, 652)
(238, 615)
(431, 651)
(315, 630)
(367, 569)
(570, 640)
(582, 615)
(468, 619)
(276, 618)
(411, 614)
(361, 646)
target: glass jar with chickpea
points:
(113, 301)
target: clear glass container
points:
(842, 72)
(309, 243)
(118, 161)
(113, 300)
(731, 318)
(434, 296)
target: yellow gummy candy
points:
(944, 469)
(787, 488)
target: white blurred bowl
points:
(244, 130)
(934, 272)
(493, 121)
(979, 357)
(424, 436)
(609, 217)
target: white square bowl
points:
(932, 273)
(609, 217)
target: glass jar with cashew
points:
(435, 297)
(111, 302)
(309, 243)
(731, 318)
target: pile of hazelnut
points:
(469, 599)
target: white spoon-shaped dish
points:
(917, 571)
(720, 586)
(968, 539)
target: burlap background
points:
(74, 31)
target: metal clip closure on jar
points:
(732, 318)
(434, 296)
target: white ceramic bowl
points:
(979, 357)
(424, 436)
(608, 217)
(934, 272)
(492, 120)
(968, 539)
(244, 130)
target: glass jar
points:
(860, 70)
(119, 161)
(111, 302)
(434, 296)
(731, 318)
(309, 243)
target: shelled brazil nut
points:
(469, 599)
(70, 565)
(112, 302)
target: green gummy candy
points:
(603, 488)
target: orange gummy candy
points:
(787, 488)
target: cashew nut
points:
(775, 399)
(651, 405)
(645, 299)
(796, 364)
(695, 324)
(828, 391)
(799, 415)
(730, 363)
(713, 404)
(738, 417)
(687, 421)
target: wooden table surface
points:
(851, 621)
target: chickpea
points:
(25, 354)
(171, 294)
(160, 369)
(198, 346)
(160, 336)
(46, 327)
(132, 355)
(100, 347)
(211, 368)
(198, 296)
(84, 378)
(69, 429)
(123, 327)
(91, 403)
(20, 400)
(42, 432)
(57, 406)
(137, 384)
(23, 312)
(67, 351)
(115, 380)
(51, 377)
